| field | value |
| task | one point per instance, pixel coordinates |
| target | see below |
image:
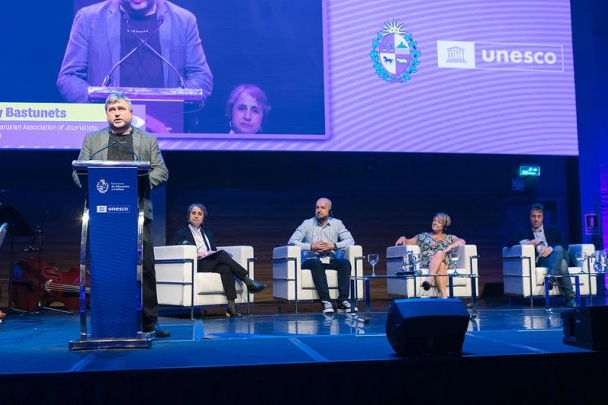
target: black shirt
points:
(120, 146)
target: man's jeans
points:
(557, 263)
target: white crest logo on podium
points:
(103, 186)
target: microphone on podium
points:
(125, 18)
(115, 142)
(161, 19)
(102, 149)
(122, 143)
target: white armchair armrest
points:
(180, 284)
(292, 283)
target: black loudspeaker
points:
(427, 326)
(586, 327)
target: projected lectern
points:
(164, 107)
(97, 94)
(111, 248)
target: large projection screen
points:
(463, 76)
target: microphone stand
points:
(36, 245)
(16, 227)
(142, 41)
(11, 261)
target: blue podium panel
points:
(113, 252)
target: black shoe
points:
(231, 311)
(255, 286)
(158, 332)
(426, 285)
(571, 303)
(161, 333)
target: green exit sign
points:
(529, 170)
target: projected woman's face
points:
(247, 115)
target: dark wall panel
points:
(260, 198)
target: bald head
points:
(322, 209)
(325, 201)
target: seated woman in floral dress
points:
(434, 249)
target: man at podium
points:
(121, 141)
(136, 44)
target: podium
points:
(111, 248)
(167, 110)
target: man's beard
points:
(142, 8)
(124, 129)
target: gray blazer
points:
(146, 147)
(94, 48)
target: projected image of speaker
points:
(427, 327)
(586, 327)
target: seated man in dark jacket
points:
(551, 249)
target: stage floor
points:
(511, 354)
(38, 343)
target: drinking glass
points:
(406, 262)
(601, 262)
(411, 262)
(372, 258)
(417, 263)
(580, 258)
(454, 257)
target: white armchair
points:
(522, 278)
(178, 282)
(410, 286)
(292, 283)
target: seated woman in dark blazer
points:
(212, 260)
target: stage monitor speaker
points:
(427, 326)
(586, 327)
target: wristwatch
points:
(335, 246)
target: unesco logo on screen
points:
(394, 53)
(103, 186)
(499, 56)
